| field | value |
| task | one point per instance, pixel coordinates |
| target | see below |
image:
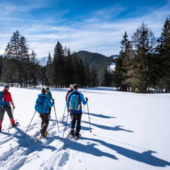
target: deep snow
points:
(129, 132)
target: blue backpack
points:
(75, 101)
(2, 102)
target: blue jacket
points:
(49, 95)
(82, 100)
(42, 104)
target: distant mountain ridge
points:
(43, 61)
(98, 60)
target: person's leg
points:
(42, 120)
(78, 128)
(49, 110)
(2, 112)
(9, 111)
(73, 121)
(46, 122)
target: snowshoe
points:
(42, 133)
(77, 137)
(71, 134)
(42, 137)
(15, 124)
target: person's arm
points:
(49, 103)
(67, 103)
(51, 96)
(83, 99)
(11, 101)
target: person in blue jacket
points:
(49, 95)
(74, 106)
(42, 107)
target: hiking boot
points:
(14, 125)
(42, 133)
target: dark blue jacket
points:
(42, 104)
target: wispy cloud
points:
(100, 32)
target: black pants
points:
(49, 110)
(76, 118)
(5, 109)
(45, 121)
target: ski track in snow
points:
(14, 157)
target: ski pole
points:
(56, 118)
(65, 125)
(64, 113)
(29, 124)
(89, 116)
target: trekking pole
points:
(29, 124)
(89, 116)
(56, 118)
(65, 125)
(64, 113)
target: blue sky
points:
(93, 25)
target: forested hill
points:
(98, 60)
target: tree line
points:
(21, 68)
(143, 63)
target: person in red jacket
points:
(71, 89)
(7, 108)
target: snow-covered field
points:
(129, 132)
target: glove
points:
(53, 102)
(87, 99)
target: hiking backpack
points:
(2, 102)
(75, 101)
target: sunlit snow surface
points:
(129, 132)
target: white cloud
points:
(95, 34)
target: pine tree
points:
(49, 70)
(87, 75)
(118, 73)
(107, 78)
(94, 77)
(80, 71)
(34, 69)
(16, 61)
(121, 75)
(58, 76)
(144, 42)
(165, 53)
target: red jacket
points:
(68, 93)
(7, 96)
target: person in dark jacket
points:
(49, 95)
(5, 107)
(74, 106)
(42, 107)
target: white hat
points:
(71, 86)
